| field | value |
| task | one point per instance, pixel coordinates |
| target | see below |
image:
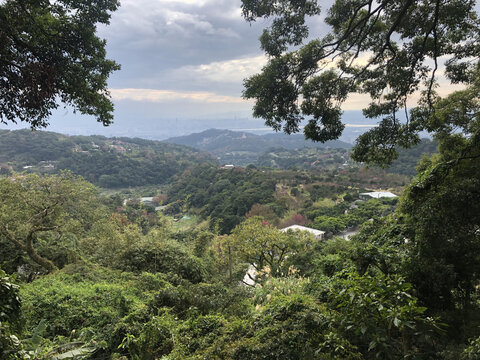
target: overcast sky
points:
(182, 61)
(189, 50)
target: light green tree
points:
(38, 210)
(265, 247)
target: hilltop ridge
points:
(106, 162)
(243, 148)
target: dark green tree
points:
(49, 52)
(389, 49)
(10, 318)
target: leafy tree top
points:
(389, 49)
(35, 209)
(49, 53)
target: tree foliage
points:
(265, 247)
(442, 205)
(41, 210)
(391, 50)
(49, 52)
(223, 195)
(10, 318)
(161, 293)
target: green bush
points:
(10, 319)
(164, 256)
(88, 303)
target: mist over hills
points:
(215, 140)
(153, 126)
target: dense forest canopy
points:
(114, 163)
(110, 163)
(226, 195)
(128, 282)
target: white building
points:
(377, 195)
(318, 234)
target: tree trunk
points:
(230, 263)
(29, 249)
(43, 262)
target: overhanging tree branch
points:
(403, 39)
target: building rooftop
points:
(379, 194)
(303, 228)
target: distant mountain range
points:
(226, 144)
(153, 126)
(123, 162)
(283, 151)
(243, 148)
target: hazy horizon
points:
(163, 128)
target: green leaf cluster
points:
(50, 53)
(390, 50)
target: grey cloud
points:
(160, 45)
(149, 38)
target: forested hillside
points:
(225, 195)
(244, 148)
(110, 163)
(221, 141)
(178, 257)
(105, 278)
(408, 158)
(283, 151)
(129, 162)
(114, 277)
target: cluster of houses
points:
(47, 165)
(116, 145)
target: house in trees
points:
(147, 200)
(377, 195)
(318, 234)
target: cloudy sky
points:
(183, 63)
(181, 60)
(188, 52)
